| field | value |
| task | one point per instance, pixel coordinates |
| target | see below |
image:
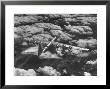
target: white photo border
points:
(100, 10)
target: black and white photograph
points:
(55, 44)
